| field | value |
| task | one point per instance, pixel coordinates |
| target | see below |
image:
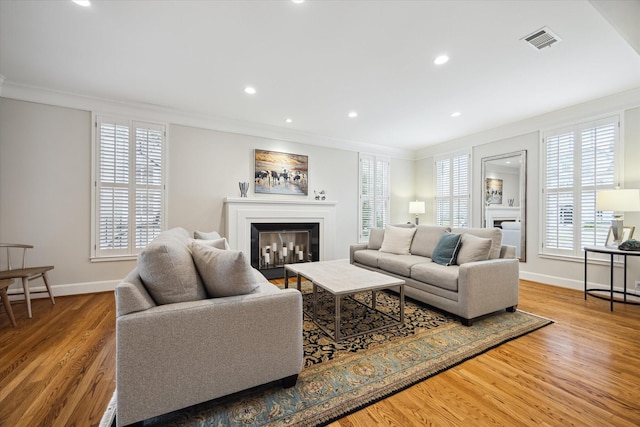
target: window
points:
(452, 190)
(578, 161)
(129, 186)
(373, 178)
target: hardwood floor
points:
(58, 369)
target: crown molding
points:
(576, 113)
(157, 113)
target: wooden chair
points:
(4, 284)
(25, 273)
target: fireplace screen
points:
(275, 244)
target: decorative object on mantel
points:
(510, 201)
(618, 201)
(416, 208)
(281, 173)
(322, 195)
(244, 187)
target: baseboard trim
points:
(16, 294)
(553, 280)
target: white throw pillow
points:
(217, 243)
(203, 235)
(224, 272)
(397, 240)
(473, 249)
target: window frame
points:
(578, 188)
(451, 197)
(384, 199)
(131, 252)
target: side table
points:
(611, 252)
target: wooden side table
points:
(611, 252)
(4, 284)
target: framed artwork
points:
(627, 233)
(492, 191)
(281, 173)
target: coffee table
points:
(340, 279)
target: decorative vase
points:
(244, 187)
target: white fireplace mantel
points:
(241, 212)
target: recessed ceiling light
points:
(298, 1)
(442, 59)
(456, 114)
(288, 120)
(353, 114)
(250, 90)
(84, 3)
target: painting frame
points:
(281, 173)
(493, 191)
(627, 233)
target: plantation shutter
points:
(374, 193)
(578, 161)
(452, 201)
(129, 186)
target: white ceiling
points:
(316, 61)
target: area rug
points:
(340, 378)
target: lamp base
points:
(617, 229)
(417, 220)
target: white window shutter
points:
(373, 179)
(452, 201)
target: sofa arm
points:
(354, 248)
(177, 355)
(487, 286)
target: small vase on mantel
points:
(244, 187)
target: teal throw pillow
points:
(446, 251)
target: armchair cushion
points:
(167, 269)
(224, 272)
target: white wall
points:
(45, 186)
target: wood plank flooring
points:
(58, 369)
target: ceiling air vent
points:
(541, 38)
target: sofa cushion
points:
(437, 275)
(167, 269)
(473, 248)
(225, 273)
(376, 235)
(400, 264)
(206, 235)
(495, 234)
(397, 240)
(426, 239)
(446, 250)
(370, 257)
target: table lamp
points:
(618, 201)
(416, 208)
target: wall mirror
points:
(504, 199)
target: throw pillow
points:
(217, 243)
(376, 235)
(168, 272)
(397, 240)
(203, 235)
(225, 273)
(473, 248)
(446, 250)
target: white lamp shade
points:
(416, 207)
(627, 200)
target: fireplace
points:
(275, 244)
(273, 216)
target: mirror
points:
(504, 180)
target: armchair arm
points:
(176, 355)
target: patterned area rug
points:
(340, 378)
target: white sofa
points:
(484, 276)
(170, 355)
